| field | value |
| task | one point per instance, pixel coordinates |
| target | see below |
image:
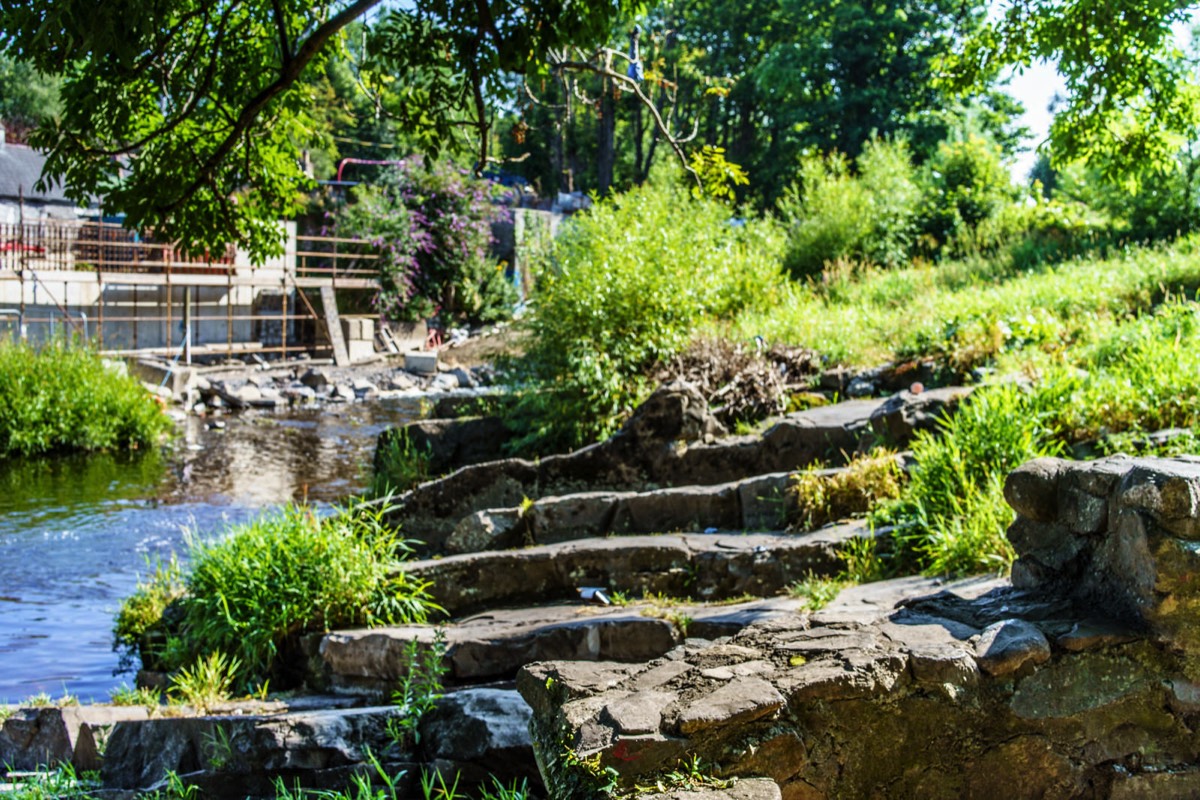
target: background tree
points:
(187, 114)
(26, 98)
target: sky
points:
(1035, 88)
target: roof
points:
(20, 168)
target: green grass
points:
(816, 499)
(250, 593)
(971, 310)
(58, 398)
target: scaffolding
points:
(129, 294)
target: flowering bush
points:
(433, 229)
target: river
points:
(77, 531)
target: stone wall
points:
(1075, 679)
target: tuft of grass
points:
(253, 591)
(816, 591)
(123, 695)
(819, 496)
(58, 397)
(399, 464)
(206, 682)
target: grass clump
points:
(206, 682)
(399, 464)
(951, 517)
(819, 496)
(57, 398)
(145, 696)
(631, 281)
(252, 592)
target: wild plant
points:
(144, 696)
(207, 682)
(419, 689)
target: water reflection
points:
(76, 531)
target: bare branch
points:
(635, 87)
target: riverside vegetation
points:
(56, 397)
(1077, 340)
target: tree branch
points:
(288, 74)
(632, 85)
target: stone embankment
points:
(1077, 678)
(680, 524)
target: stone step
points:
(671, 441)
(493, 646)
(757, 503)
(702, 566)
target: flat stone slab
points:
(701, 566)
(495, 645)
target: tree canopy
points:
(189, 115)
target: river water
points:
(76, 532)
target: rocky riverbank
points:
(614, 613)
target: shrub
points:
(631, 281)
(58, 397)
(433, 230)
(836, 215)
(251, 592)
(966, 183)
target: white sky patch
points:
(1035, 88)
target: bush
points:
(433, 231)
(966, 183)
(57, 397)
(631, 281)
(834, 215)
(250, 593)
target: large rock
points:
(1118, 535)
(481, 735)
(703, 566)
(48, 737)
(448, 443)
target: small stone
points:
(1093, 634)
(1006, 646)
(444, 382)
(315, 378)
(342, 393)
(401, 381)
(364, 389)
